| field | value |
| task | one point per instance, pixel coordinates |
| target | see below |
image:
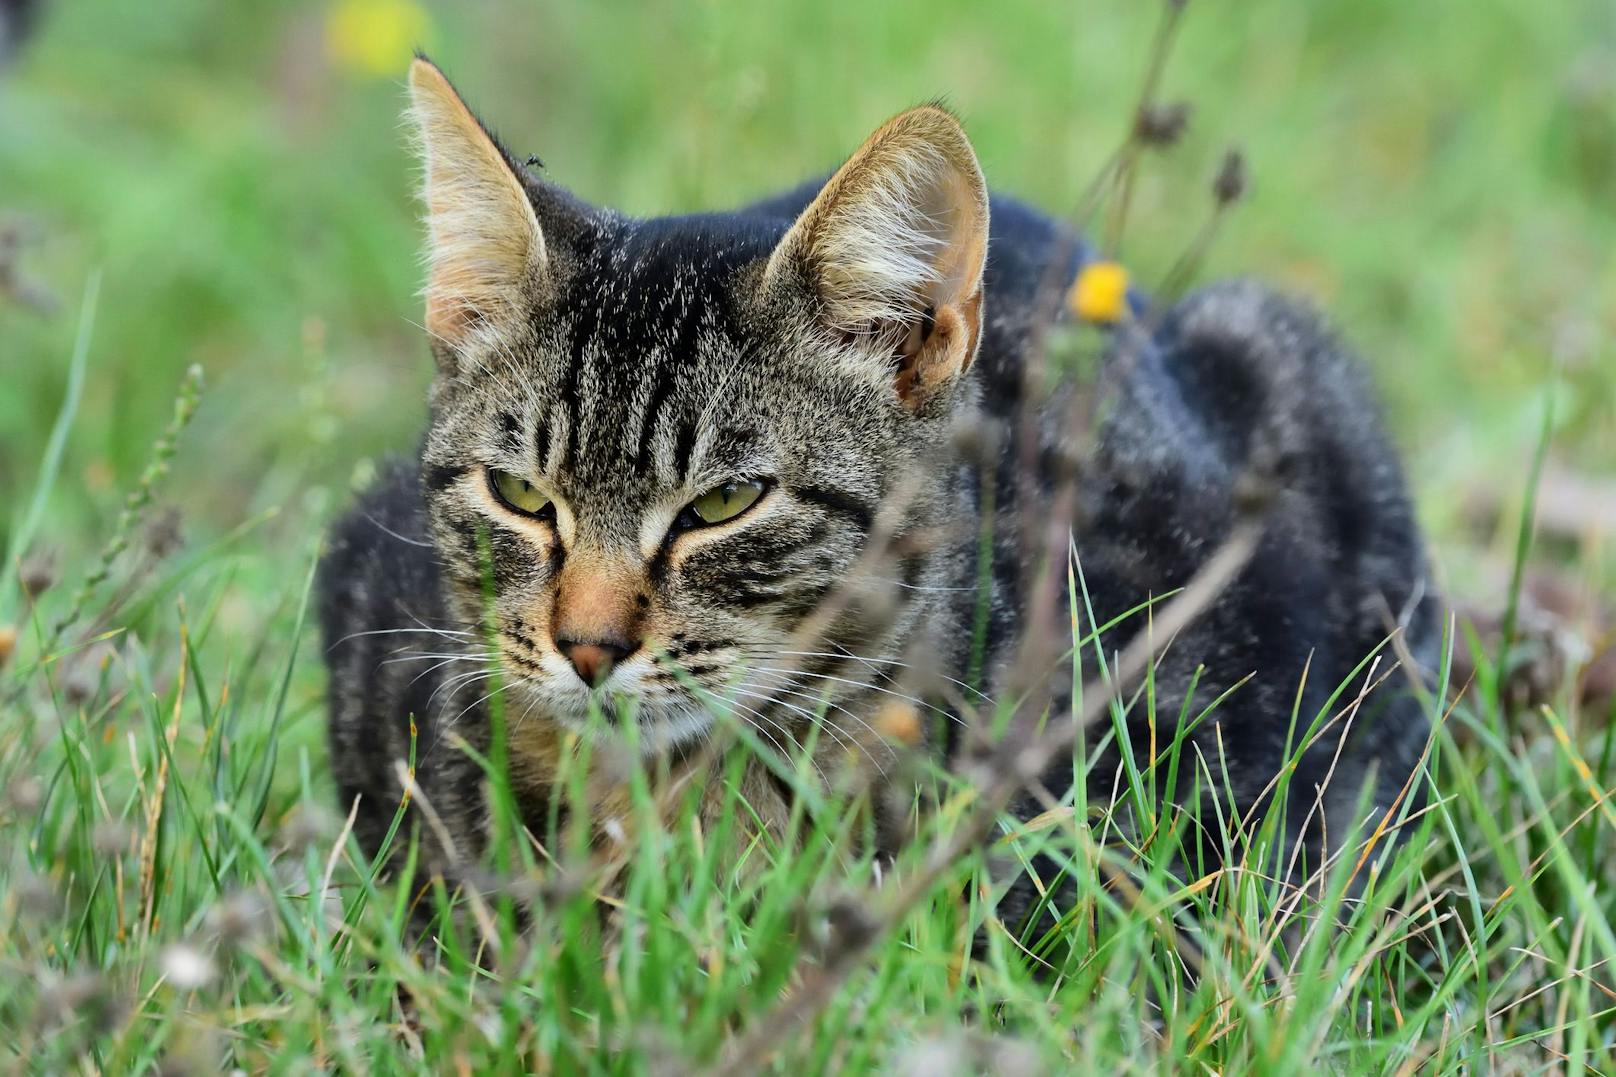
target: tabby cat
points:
(746, 461)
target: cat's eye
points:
(517, 493)
(723, 502)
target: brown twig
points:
(14, 285)
(1139, 134)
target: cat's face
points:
(663, 452)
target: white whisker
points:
(399, 632)
(842, 737)
(388, 530)
(734, 704)
(860, 684)
(849, 655)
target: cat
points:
(745, 460)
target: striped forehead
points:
(649, 347)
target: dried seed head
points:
(615, 762)
(481, 880)
(549, 888)
(241, 917)
(37, 896)
(846, 925)
(614, 830)
(1067, 458)
(662, 1056)
(25, 795)
(875, 597)
(80, 687)
(933, 1056)
(82, 683)
(304, 826)
(1576, 339)
(112, 837)
(186, 967)
(1006, 1056)
(165, 534)
(196, 1050)
(1162, 125)
(977, 761)
(8, 643)
(38, 574)
(65, 999)
(977, 441)
(1254, 493)
(1229, 185)
(920, 674)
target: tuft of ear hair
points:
(485, 249)
(893, 247)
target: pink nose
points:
(594, 661)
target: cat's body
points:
(767, 355)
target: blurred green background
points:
(1440, 175)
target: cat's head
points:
(662, 450)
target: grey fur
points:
(654, 364)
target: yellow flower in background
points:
(375, 37)
(1100, 293)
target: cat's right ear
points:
(486, 254)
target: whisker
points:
(444, 727)
(915, 586)
(455, 656)
(842, 737)
(883, 661)
(447, 660)
(455, 682)
(399, 631)
(823, 777)
(818, 698)
(733, 704)
(860, 684)
(389, 531)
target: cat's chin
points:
(655, 732)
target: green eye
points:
(517, 493)
(725, 502)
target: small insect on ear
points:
(485, 250)
(893, 249)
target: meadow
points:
(208, 298)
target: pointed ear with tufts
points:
(892, 249)
(485, 250)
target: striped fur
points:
(856, 344)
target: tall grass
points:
(178, 892)
(176, 888)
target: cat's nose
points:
(594, 660)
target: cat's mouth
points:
(633, 704)
(654, 727)
(657, 699)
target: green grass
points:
(210, 189)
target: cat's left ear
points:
(892, 248)
(486, 253)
